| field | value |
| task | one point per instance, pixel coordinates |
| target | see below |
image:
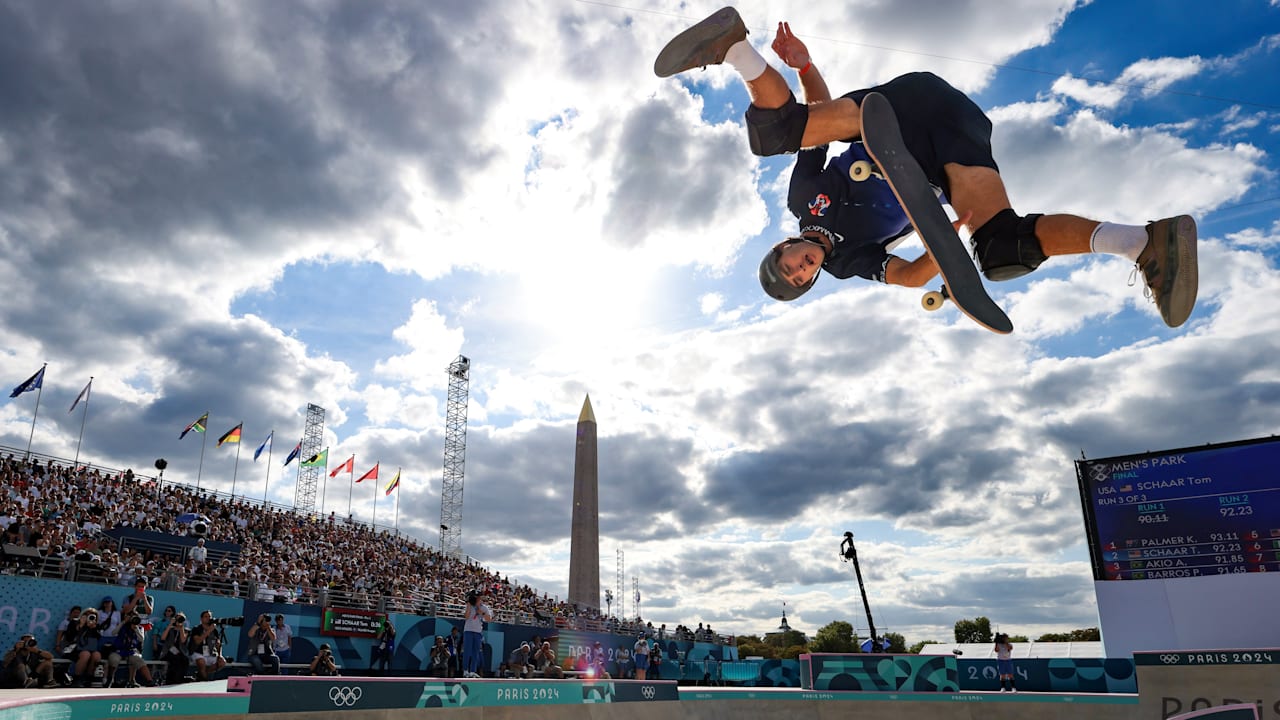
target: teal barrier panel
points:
(884, 673)
(1073, 675)
(278, 694)
(125, 706)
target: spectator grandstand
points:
(93, 524)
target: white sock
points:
(1127, 240)
(744, 58)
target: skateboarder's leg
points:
(1008, 246)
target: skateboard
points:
(961, 283)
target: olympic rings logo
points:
(648, 691)
(342, 695)
(1170, 659)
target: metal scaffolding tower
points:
(304, 492)
(455, 452)
(621, 593)
(635, 595)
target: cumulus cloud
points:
(533, 198)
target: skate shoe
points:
(1168, 264)
(703, 44)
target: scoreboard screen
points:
(1193, 512)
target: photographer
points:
(439, 660)
(64, 642)
(206, 647)
(323, 663)
(173, 643)
(544, 660)
(139, 602)
(384, 648)
(518, 662)
(262, 651)
(283, 643)
(88, 642)
(26, 665)
(476, 614)
(128, 649)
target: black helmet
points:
(776, 286)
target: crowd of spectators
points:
(61, 513)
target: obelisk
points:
(584, 534)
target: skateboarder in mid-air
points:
(849, 222)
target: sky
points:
(243, 208)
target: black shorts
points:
(939, 124)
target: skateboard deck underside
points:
(883, 140)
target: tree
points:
(1077, 635)
(834, 637)
(917, 647)
(977, 630)
(752, 645)
(786, 639)
(896, 643)
(794, 651)
(1018, 639)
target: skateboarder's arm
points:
(792, 51)
(919, 271)
(910, 274)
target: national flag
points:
(320, 459)
(1275, 532)
(395, 483)
(1140, 576)
(198, 425)
(371, 475)
(34, 382)
(1126, 488)
(83, 394)
(1135, 553)
(348, 466)
(263, 446)
(293, 453)
(231, 436)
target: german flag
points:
(231, 436)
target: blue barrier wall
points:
(36, 606)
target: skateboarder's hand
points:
(789, 48)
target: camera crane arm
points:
(850, 553)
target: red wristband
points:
(806, 67)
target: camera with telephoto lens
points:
(32, 642)
(229, 622)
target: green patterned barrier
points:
(884, 673)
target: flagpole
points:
(236, 468)
(204, 440)
(324, 484)
(375, 505)
(398, 502)
(39, 392)
(351, 483)
(265, 483)
(88, 392)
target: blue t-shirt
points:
(860, 218)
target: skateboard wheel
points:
(860, 170)
(932, 300)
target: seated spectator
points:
(262, 653)
(283, 643)
(323, 663)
